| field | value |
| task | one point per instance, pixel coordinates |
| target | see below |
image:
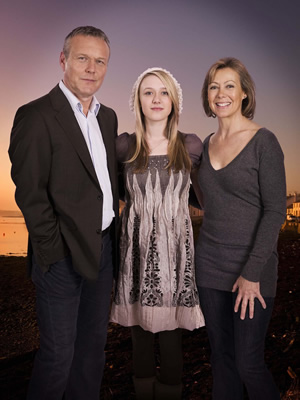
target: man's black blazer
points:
(56, 184)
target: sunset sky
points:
(183, 36)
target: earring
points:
(244, 96)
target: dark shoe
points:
(144, 388)
(167, 392)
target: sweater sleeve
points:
(194, 147)
(122, 146)
(272, 186)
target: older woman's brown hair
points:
(247, 85)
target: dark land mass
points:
(19, 337)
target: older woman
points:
(242, 180)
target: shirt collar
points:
(75, 103)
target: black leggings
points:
(170, 345)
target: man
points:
(64, 167)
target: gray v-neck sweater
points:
(244, 208)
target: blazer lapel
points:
(109, 143)
(68, 122)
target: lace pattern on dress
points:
(157, 242)
(152, 293)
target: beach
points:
(13, 234)
(19, 336)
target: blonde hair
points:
(177, 154)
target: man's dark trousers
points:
(73, 316)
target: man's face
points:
(85, 67)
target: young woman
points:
(242, 180)
(156, 289)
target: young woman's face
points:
(155, 100)
(225, 94)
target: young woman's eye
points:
(165, 93)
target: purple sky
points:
(183, 36)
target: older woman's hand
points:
(247, 292)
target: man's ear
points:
(62, 61)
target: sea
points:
(13, 234)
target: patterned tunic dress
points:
(156, 286)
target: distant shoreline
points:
(12, 255)
(11, 214)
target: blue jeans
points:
(237, 347)
(72, 316)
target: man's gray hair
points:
(85, 31)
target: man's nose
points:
(91, 66)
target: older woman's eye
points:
(212, 87)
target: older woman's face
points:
(155, 100)
(225, 94)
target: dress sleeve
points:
(272, 186)
(122, 146)
(194, 147)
